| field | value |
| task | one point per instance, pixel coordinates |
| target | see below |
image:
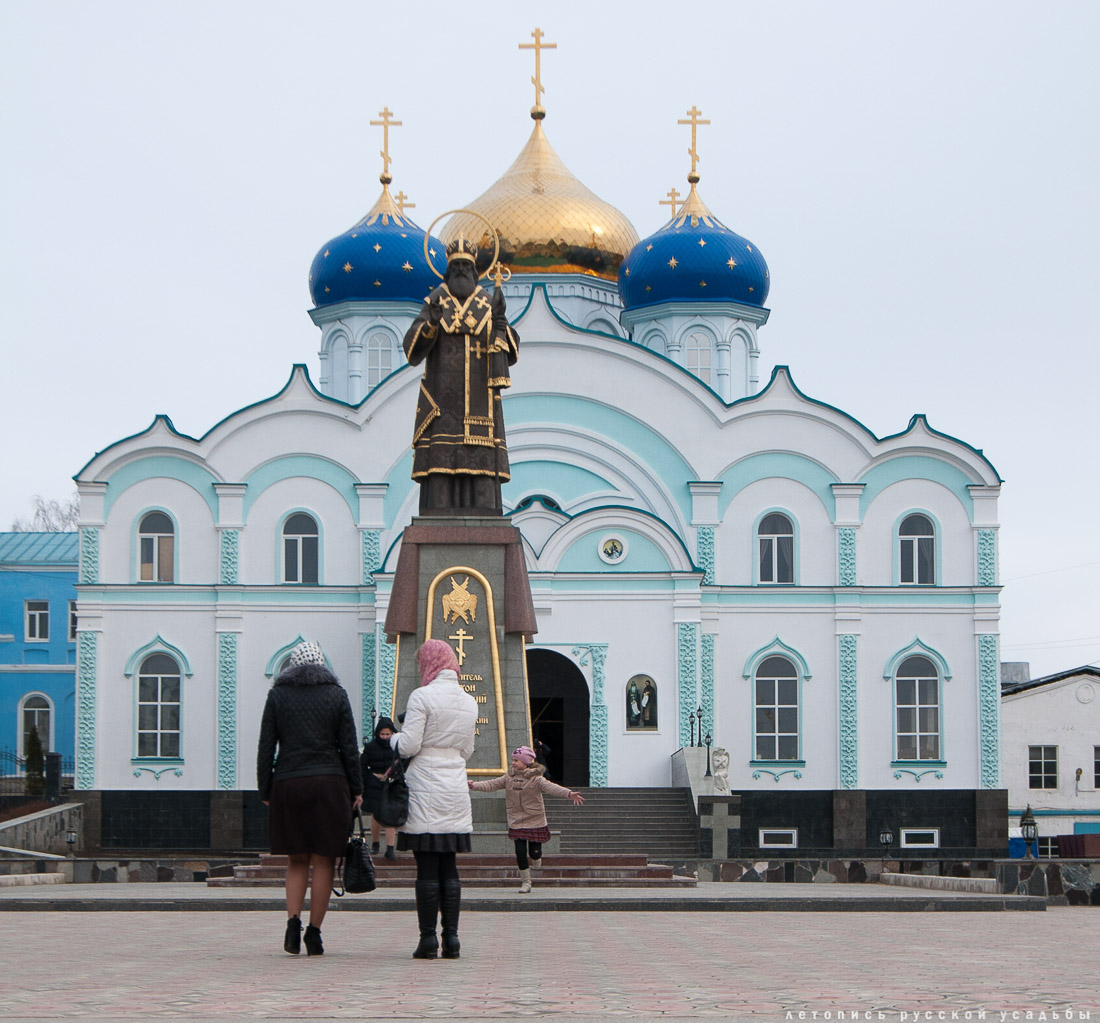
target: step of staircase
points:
(659, 822)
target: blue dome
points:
(693, 258)
(381, 258)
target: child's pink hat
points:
(524, 753)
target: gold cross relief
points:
(461, 637)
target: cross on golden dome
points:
(671, 201)
(538, 111)
(385, 124)
(694, 121)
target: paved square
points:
(229, 966)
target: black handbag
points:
(393, 802)
(358, 868)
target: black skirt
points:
(433, 843)
(310, 815)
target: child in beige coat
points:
(524, 786)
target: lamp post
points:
(708, 741)
(691, 718)
(886, 839)
(1029, 829)
(70, 838)
(699, 715)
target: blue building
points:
(38, 573)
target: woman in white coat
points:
(438, 734)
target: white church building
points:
(824, 601)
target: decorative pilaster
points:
(849, 707)
(89, 554)
(706, 682)
(372, 554)
(229, 572)
(369, 685)
(227, 710)
(989, 711)
(687, 674)
(846, 556)
(87, 655)
(706, 553)
(387, 668)
(987, 557)
(597, 714)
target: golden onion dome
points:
(547, 220)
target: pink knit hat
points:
(524, 753)
(433, 657)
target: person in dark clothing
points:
(307, 771)
(375, 760)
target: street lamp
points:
(691, 718)
(886, 839)
(699, 715)
(70, 838)
(708, 740)
(1029, 829)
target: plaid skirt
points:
(530, 834)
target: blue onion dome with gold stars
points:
(380, 258)
(694, 258)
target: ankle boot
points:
(450, 901)
(313, 941)
(427, 910)
(292, 943)
(525, 881)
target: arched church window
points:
(35, 713)
(697, 356)
(917, 706)
(641, 703)
(776, 539)
(917, 551)
(156, 545)
(300, 550)
(529, 502)
(379, 359)
(158, 707)
(777, 732)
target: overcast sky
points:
(921, 177)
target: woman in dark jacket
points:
(375, 760)
(312, 784)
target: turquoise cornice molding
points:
(309, 466)
(778, 647)
(372, 554)
(989, 711)
(907, 467)
(227, 710)
(369, 681)
(776, 775)
(173, 467)
(846, 556)
(596, 655)
(158, 644)
(987, 557)
(687, 675)
(228, 572)
(849, 710)
(387, 668)
(705, 556)
(935, 772)
(918, 648)
(89, 555)
(156, 772)
(787, 465)
(706, 681)
(87, 653)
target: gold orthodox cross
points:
(385, 124)
(673, 195)
(401, 204)
(538, 46)
(462, 635)
(694, 121)
(478, 350)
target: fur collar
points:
(307, 675)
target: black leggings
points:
(522, 847)
(435, 866)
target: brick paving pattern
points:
(221, 966)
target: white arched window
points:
(379, 359)
(156, 548)
(916, 550)
(917, 710)
(775, 537)
(776, 696)
(158, 707)
(35, 716)
(300, 550)
(697, 355)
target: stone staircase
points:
(659, 822)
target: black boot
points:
(313, 941)
(427, 910)
(292, 943)
(450, 900)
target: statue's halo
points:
(484, 220)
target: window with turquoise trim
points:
(776, 710)
(158, 707)
(917, 703)
(776, 537)
(300, 550)
(156, 548)
(36, 718)
(917, 551)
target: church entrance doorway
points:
(559, 715)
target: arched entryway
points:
(559, 714)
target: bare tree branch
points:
(50, 516)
